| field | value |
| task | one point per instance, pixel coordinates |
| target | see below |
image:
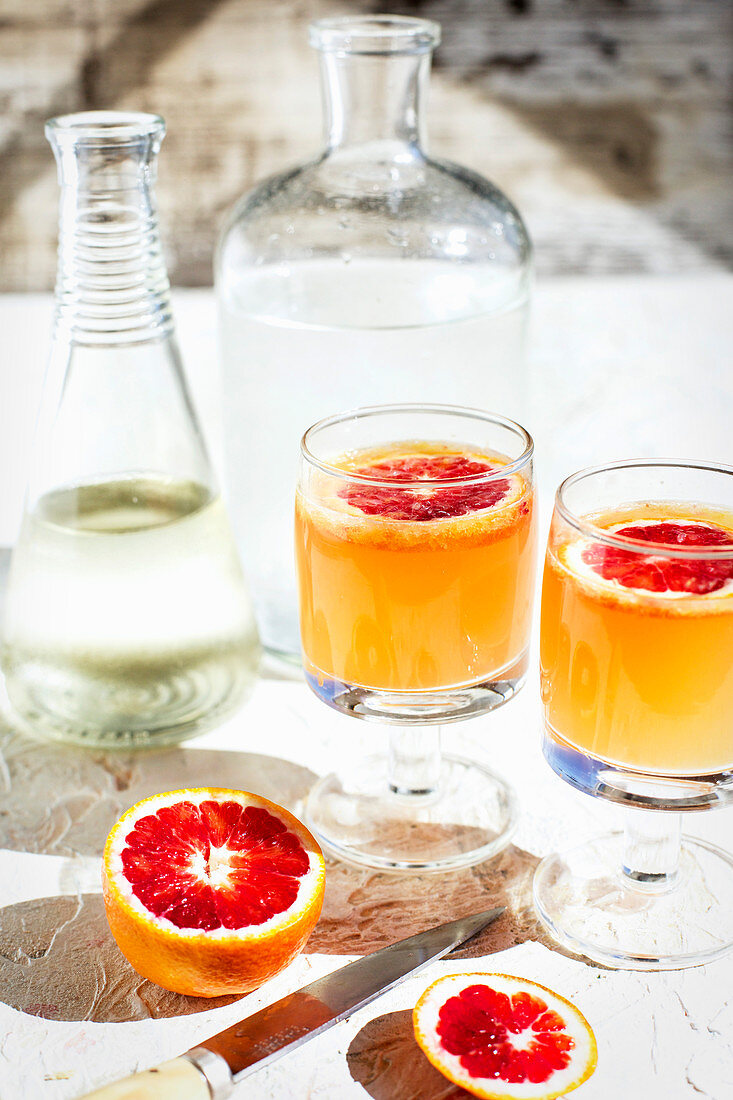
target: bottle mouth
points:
(105, 128)
(380, 35)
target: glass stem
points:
(414, 759)
(651, 849)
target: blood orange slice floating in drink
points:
(426, 502)
(650, 572)
(500, 1037)
(211, 891)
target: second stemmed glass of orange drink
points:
(637, 686)
(415, 547)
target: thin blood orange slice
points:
(418, 503)
(211, 891)
(663, 574)
(501, 1037)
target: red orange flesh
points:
(419, 503)
(654, 573)
(210, 891)
(502, 1037)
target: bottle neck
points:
(374, 98)
(112, 286)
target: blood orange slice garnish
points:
(418, 503)
(656, 573)
(211, 891)
(500, 1037)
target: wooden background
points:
(607, 121)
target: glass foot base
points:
(470, 816)
(589, 906)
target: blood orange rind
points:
(209, 962)
(450, 1006)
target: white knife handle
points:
(199, 1075)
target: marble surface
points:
(639, 360)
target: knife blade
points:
(210, 1070)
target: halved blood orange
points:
(211, 891)
(655, 573)
(502, 1037)
(431, 502)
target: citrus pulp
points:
(419, 501)
(654, 573)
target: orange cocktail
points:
(416, 567)
(636, 657)
(414, 535)
(637, 644)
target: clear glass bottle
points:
(127, 618)
(371, 274)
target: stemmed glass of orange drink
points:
(415, 548)
(637, 688)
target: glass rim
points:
(374, 34)
(417, 407)
(107, 127)
(626, 542)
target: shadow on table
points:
(57, 956)
(386, 1061)
(58, 960)
(384, 1057)
(60, 800)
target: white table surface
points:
(637, 365)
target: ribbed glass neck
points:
(374, 72)
(112, 286)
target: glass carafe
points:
(127, 617)
(372, 274)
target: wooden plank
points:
(607, 122)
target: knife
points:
(210, 1071)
